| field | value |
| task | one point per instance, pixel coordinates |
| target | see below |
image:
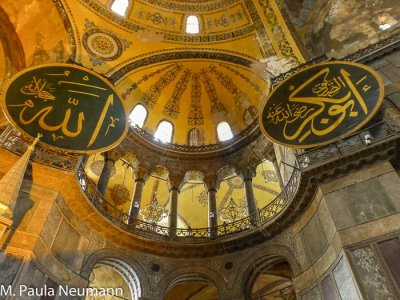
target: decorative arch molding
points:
(192, 273)
(11, 43)
(257, 261)
(128, 268)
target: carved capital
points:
(141, 174)
(247, 173)
(175, 182)
(212, 182)
(113, 154)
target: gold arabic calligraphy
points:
(322, 112)
(40, 88)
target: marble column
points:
(278, 174)
(110, 157)
(174, 189)
(211, 184)
(247, 175)
(140, 176)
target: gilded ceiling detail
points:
(196, 6)
(135, 85)
(195, 114)
(245, 78)
(216, 104)
(151, 96)
(241, 99)
(119, 194)
(278, 32)
(102, 45)
(171, 109)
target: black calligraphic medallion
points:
(74, 108)
(321, 104)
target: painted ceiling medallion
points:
(102, 44)
(119, 194)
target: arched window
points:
(120, 7)
(164, 132)
(192, 25)
(194, 138)
(138, 116)
(224, 132)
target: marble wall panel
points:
(328, 289)
(359, 203)
(344, 281)
(314, 238)
(390, 251)
(371, 275)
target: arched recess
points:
(11, 45)
(193, 273)
(133, 274)
(268, 270)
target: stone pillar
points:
(278, 174)
(140, 176)
(110, 157)
(391, 114)
(211, 184)
(174, 189)
(247, 175)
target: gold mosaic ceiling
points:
(192, 80)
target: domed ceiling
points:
(191, 80)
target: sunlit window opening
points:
(192, 25)
(138, 116)
(224, 132)
(164, 132)
(194, 137)
(120, 7)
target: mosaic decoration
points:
(255, 86)
(156, 18)
(119, 194)
(216, 104)
(146, 77)
(195, 114)
(203, 198)
(278, 32)
(269, 176)
(195, 6)
(235, 182)
(154, 212)
(321, 104)
(151, 96)
(241, 99)
(97, 166)
(232, 212)
(102, 45)
(217, 21)
(171, 109)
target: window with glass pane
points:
(164, 132)
(194, 137)
(138, 116)
(120, 7)
(224, 132)
(192, 25)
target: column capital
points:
(247, 173)
(175, 182)
(113, 155)
(211, 182)
(140, 174)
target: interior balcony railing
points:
(156, 231)
(366, 137)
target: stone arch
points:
(259, 260)
(129, 269)
(192, 273)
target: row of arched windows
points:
(165, 129)
(120, 7)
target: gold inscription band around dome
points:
(321, 104)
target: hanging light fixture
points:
(232, 212)
(154, 212)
